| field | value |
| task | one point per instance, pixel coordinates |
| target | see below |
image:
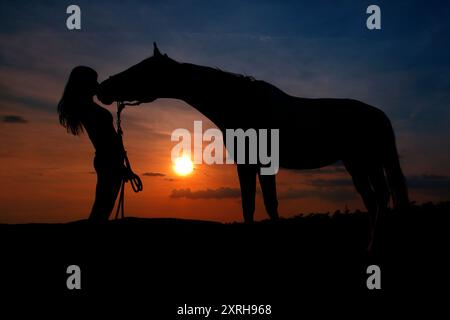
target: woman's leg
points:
(108, 187)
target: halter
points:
(127, 175)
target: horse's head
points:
(143, 82)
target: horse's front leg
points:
(269, 190)
(247, 180)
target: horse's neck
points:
(204, 88)
(222, 96)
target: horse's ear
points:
(156, 51)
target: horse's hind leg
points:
(381, 189)
(247, 181)
(269, 190)
(380, 186)
(360, 177)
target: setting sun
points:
(183, 166)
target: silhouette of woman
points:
(78, 112)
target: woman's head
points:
(80, 88)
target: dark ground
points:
(166, 262)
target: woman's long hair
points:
(79, 89)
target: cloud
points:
(153, 174)
(423, 182)
(327, 170)
(14, 119)
(429, 182)
(331, 194)
(337, 168)
(330, 182)
(219, 193)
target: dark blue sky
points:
(310, 48)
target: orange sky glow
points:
(48, 174)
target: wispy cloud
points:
(429, 182)
(153, 174)
(330, 182)
(14, 119)
(219, 193)
(330, 194)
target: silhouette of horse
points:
(313, 132)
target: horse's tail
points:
(395, 178)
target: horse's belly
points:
(306, 152)
(299, 160)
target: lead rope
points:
(128, 175)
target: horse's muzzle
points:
(103, 97)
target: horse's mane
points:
(217, 72)
(237, 75)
